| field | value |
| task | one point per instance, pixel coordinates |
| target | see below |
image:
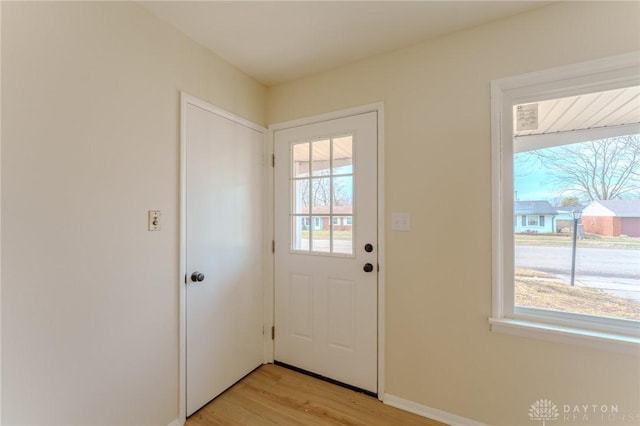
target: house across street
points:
(612, 218)
(535, 217)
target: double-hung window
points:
(533, 220)
(566, 144)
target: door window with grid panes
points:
(322, 186)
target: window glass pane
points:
(571, 253)
(321, 234)
(300, 196)
(321, 195)
(342, 235)
(300, 160)
(343, 195)
(300, 233)
(343, 155)
(320, 157)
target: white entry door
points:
(224, 209)
(326, 259)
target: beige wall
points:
(90, 142)
(440, 351)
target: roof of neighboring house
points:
(534, 207)
(617, 208)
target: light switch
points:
(154, 220)
(401, 222)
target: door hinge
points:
(273, 160)
(273, 332)
(273, 246)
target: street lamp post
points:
(576, 214)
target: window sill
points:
(594, 339)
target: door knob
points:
(197, 276)
(367, 267)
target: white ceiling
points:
(278, 41)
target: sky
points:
(532, 183)
(543, 180)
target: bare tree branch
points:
(597, 170)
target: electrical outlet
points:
(154, 220)
(401, 222)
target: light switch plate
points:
(401, 222)
(154, 220)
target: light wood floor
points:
(274, 395)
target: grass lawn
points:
(539, 290)
(566, 240)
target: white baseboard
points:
(176, 422)
(431, 413)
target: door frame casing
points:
(269, 344)
(187, 99)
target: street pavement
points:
(616, 271)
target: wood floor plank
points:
(274, 395)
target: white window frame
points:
(602, 74)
